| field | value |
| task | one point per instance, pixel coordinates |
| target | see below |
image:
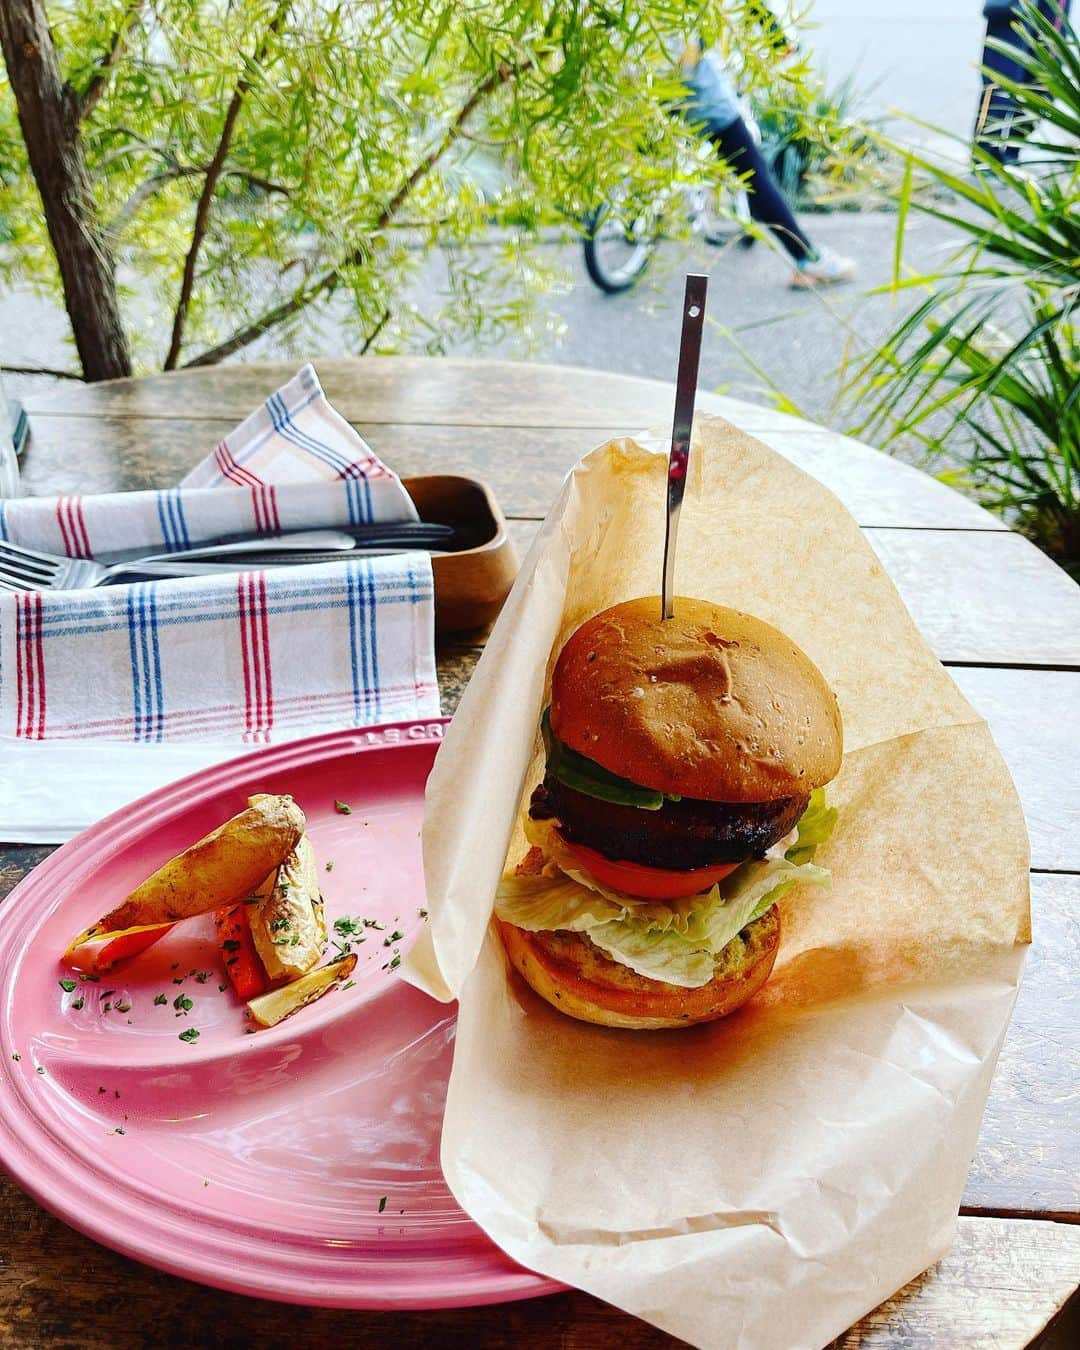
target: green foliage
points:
(363, 135)
(820, 150)
(985, 369)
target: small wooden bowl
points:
(471, 585)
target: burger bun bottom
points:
(575, 976)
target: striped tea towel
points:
(294, 463)
(107, 694)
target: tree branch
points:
(43, 370)
(263, 184)
(213, 173)
(309, 291)
(300, 299)
(94, 90)
(146, 189)
(136, 147)
(384, 319)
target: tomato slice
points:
(647, 883)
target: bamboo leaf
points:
(903, 203)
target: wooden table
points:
(1003, 618)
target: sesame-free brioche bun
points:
(575, 976)
(711, 704)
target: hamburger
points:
(682, 797)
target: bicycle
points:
(617, 250)
(621, 238)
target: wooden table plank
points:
(984, 598)
(1034, 716)
(875, 488)
(87, 454)
(987, 598)
(362, 388)
(1025, 1162)
(524, 465)
(999, 1287)
(448, 392)
(452, 391)
(16, 860)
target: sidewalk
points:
(921, 56)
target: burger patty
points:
(681, 835)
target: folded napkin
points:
(107, 694)
(295, 462)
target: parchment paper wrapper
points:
(765, 1180)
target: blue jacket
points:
(713, 100)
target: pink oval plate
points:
(298, 1163)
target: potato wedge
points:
(269, 1009)
(287, 920)
(223, 867)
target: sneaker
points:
(827, 269)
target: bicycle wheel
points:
(617, 251)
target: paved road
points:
(799, 340)
(921, 56)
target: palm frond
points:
(983, 373)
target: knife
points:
(172, 567)
(393, 534)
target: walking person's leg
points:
(713, 108)
(996, 125)
(813, 266)
(1000, 127)
(767, 205)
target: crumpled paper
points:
(765, 1180)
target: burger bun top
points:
(711, 704)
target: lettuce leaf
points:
(816, 824)
(677, 942)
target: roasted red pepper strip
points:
(242, 963)
(98, 960)
(130, 944)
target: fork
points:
(27, 569)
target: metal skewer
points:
(685, 392)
